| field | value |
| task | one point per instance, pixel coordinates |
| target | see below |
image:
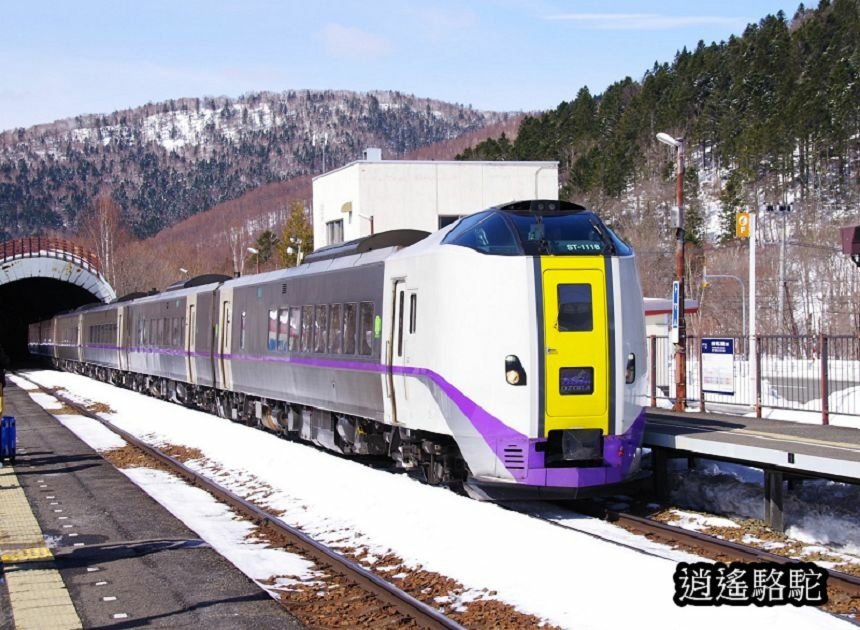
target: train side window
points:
(175, 323)
(295, 328)
(182, 331)
(272, 340)
(307, 328)
(321, 328)
(283, 329)
(350, 313)
(153, 328)
(413, 313)
(242, 331)
(365, 328)
(335, 329)
(574, 308)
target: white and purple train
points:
(506, 350)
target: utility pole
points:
(753, 354)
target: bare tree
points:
(101, 225)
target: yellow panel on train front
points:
(576, 342)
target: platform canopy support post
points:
(660, 462)
(773, 499)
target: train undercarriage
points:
(433, 458)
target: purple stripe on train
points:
(618, 450)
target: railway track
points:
(843, 588)
(385, 603)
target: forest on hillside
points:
(771, 117)
(162, 163)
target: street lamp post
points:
(297, 250)
(681, 346)
(256, 253)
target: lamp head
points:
(665, 138)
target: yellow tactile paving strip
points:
(36, 591)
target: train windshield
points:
(577, 233)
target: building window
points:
(447, 219)
(334, 232)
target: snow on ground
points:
(564, 576)
(817, 511)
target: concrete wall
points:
(414, 194)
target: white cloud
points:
(347, 42)
(644, 21)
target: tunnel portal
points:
(39, 278)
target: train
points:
(505, 352)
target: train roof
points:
(382, 240)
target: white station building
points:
(373, 195)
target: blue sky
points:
(60, 59)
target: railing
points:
(35, 247)
(819, 374)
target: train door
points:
(405, 302)
(225, 343)
(396, 361)
(191, 339)
(577, 348)
(122, 337)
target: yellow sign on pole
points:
(742, 224)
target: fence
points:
(809, 373)
(37, 246)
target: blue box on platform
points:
(7, 438)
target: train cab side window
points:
(272, 339)
(335, 329)
(321, 328)
(307, 328)
(350, 314)
(413, 313)
(365, 328)
(283, 329)
(295, 328)
(574, 308)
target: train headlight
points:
(514, 372)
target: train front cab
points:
(588, 428)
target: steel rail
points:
(845, 582)
(425, 616)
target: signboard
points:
(718, 366)
(676, 312)
(742, 224)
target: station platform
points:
(795, 448)
(81, 546)
(784, 450)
